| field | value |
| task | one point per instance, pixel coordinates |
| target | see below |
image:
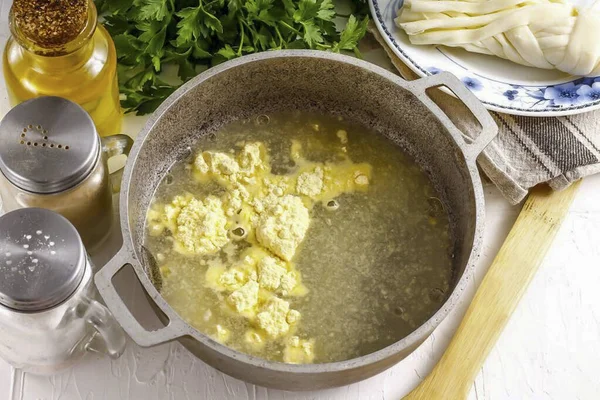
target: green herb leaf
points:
(227, 52)
(307, 10)
(234, 5)
(289, 7)
(118, 24)
(113, 6)
(352, 33)
(326, 11)
(211, 21)
(186, 70)
(128, 48)
(312, 34)
(188, 28)
(152, 9)
(199, 52)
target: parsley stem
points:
(291, 28)
(239, 52)
(343, 15)
(281, 41)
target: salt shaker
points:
(48, 317)
(52, 157)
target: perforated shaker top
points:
(47, 145)
(42, 259)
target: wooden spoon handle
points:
(497, 297)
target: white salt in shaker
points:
(48, 317)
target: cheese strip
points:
(548, 34)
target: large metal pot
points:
(320, 81)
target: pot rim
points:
(424, 330)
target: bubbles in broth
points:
(374, 262)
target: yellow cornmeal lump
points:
(310, 183)
(342, 135)
(244, 298)
(197, 226)
(271, 213)
(282, 224)
(223, 334)
(253, 339)
(255, 288)
(270, 273)
(299, 351)
(272, 318)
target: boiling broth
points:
(375, 268)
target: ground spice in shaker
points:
(50, 23)
(51, 157)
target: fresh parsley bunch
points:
(197, 34)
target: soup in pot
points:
(300, 238)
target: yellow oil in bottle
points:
(84, 70)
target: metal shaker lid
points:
(47, 145)
(42, 259)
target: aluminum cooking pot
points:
(315, 81)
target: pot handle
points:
(474, 146)
(121, 312)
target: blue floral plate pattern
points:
(501, 85)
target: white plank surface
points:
(550, 349)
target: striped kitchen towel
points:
(528, 150)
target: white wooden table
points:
(550, 349)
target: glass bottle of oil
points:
(57, 48)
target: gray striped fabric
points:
(528, 150)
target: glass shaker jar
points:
(48, 318)
(52, 157)
(57, 48)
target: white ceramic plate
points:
(501, 85)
